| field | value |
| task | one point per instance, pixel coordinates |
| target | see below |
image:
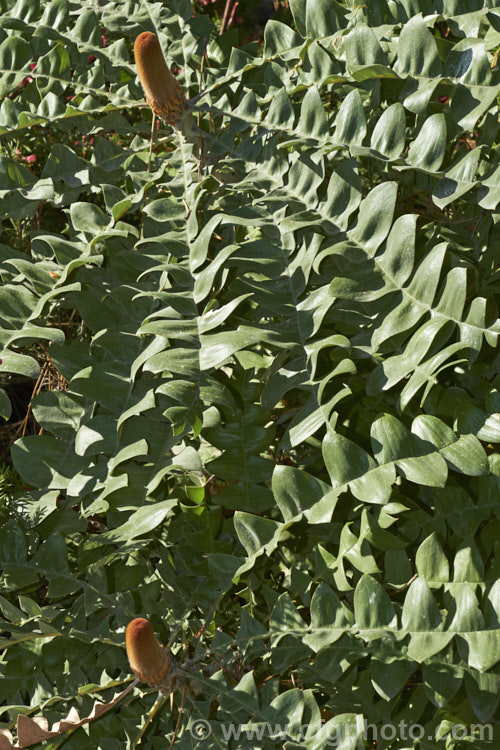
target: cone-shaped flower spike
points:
(148, 660)
(163, 93)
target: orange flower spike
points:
(147, 659)
(163, 93)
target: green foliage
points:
(277, 356)
(10, 490)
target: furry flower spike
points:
(147, 659)
(163, 93)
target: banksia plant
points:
(163, 93)
(148, 660)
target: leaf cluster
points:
(263, 371)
